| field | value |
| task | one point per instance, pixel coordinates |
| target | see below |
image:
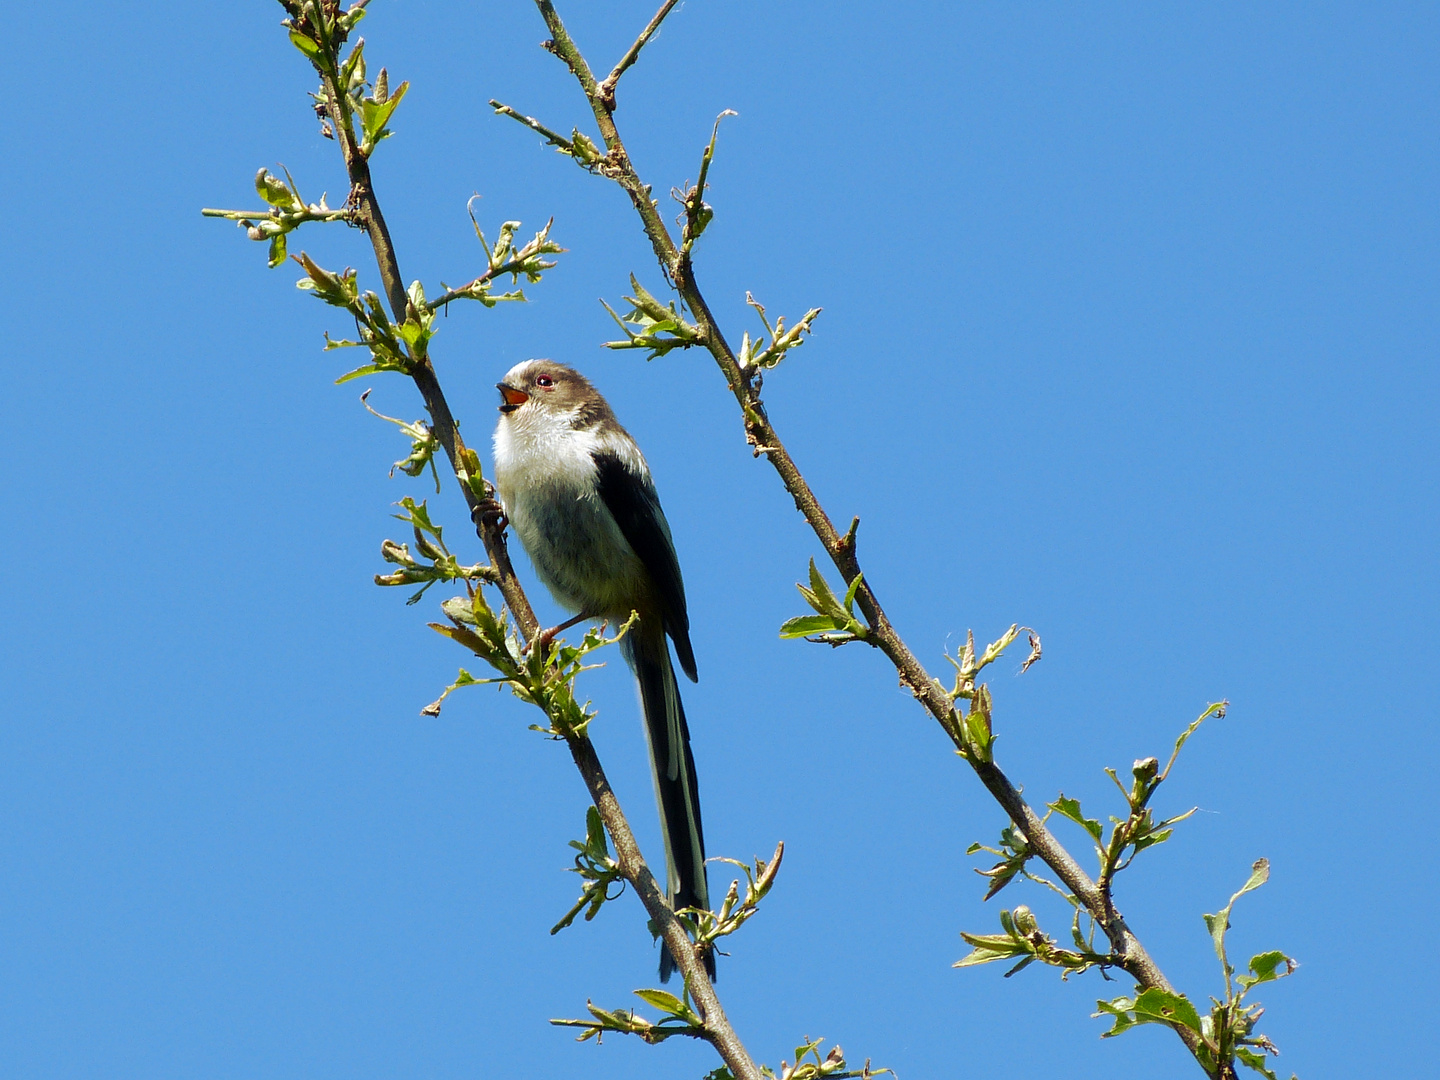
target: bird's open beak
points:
(513, 398)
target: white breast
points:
(545, 474)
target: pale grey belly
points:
(579, 552)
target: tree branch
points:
(761, 434)
(607, 88)
(370, 218)
(718, 1031)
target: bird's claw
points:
(489, 513)
(544, 640)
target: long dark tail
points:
(677, 791)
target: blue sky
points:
(1129, 335)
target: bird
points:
(575, 488)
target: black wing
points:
(632, 501)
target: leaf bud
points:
(1145, 769)
(273, 190)
(392, 552)
(1024, 920)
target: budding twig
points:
(676, 262)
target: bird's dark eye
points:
(544, 380)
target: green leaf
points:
(983, 955)
(348, 20)
(1151, 1007)
(410, 332)
(277, 250)
(1161, 1007)
(1259, 875)
(1255, 1061)
(1265, 967)
(987, 948)
(977, 728)
(826, 602)
(1119, 1009)
(306, 45)
(1151, 839)
(374, 115)
(806, 624)
(368, 369)
(1070, 808)
(273, 190)
(352, 71)
(663, 1000)
(459, 608)
(595, 831)
(1219, 923)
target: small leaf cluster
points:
(698, 213)
(318, 29)
(680, 1018)
(809, 1065)
(834, 621)
(1129, 836)
(596, 868)
(440, 564)
(373, 109)
(1222, 1037)
(285, 212)
(972, 732)
(542, 677)
(1227, 1033)
(423, 445)
(768, 349)
(1139, 829)
(579, 146)
(709, 926)
(661, 326)
(1023, 940)
(1014, 852)
(504, 258)
(393, 346)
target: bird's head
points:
(543, 387)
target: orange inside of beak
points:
(513, 396)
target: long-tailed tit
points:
(576, 489)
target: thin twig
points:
(513, 266)
(367, 211)
(271, 214)
(607, 88)
(632, 863)
(554, 138)
(677, 265)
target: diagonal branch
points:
(607, 88)
(368, 215)
(466, 466)
(743, 384)
(554, 138)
